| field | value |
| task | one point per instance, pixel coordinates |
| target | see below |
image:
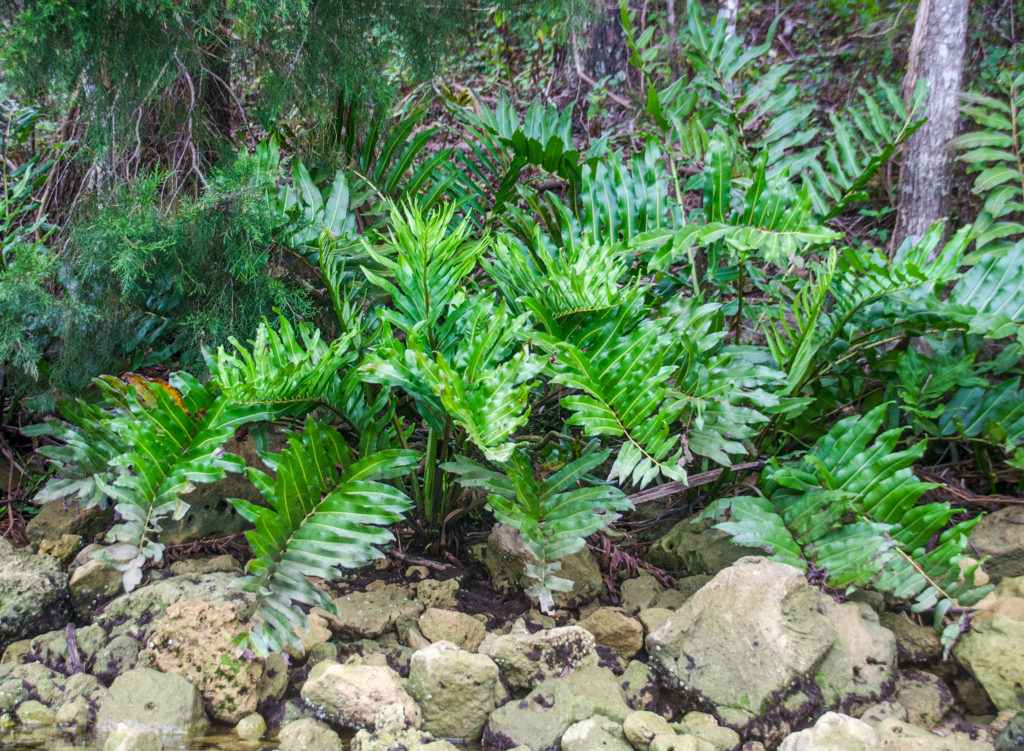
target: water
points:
(48, 739)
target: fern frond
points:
(325, 511)
(555, 514)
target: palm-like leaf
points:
(325, 510)
(554, 514)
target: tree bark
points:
(604, 44)
(937, 55)
(730, 11)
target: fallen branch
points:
(694, 481)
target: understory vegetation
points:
(479, 312)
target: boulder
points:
(456, 690)
(64, 548)
(915, 644)
(679, 743)
(451, 626)
(1000, 537)
(367, 615)
(74, 717)
(31, 680)
(165, 702)
(137, 613)
(901, 736)
(58, 518)
(706, 728)
(438, 594)
(640, 685)
(120, 655)
(131, 738)
(926, 698)
(639, 593)
(694, 547)
(526, 659)
(539, 720)
(195, 639)
(595, 734)
(207, 566)
(51, 648)
(756, 642)
(308, 735)
(252, 727)
(506, 559)
(34, 712)
(33, 594)
(834, 732)
(615, 630)
(991, 652)
(352, 694)
(392, 733)
(641, 727)
(1012, 736)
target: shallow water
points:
(48, 739)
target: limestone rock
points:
(165, 702)
(834, 732)
(876, 714)
(138, 612)
(351, 694)
(73, 716)
(539, 720)
(93, 584)
(308, 735)
(755, 639)
(451, 626)
(694, 547)
(207, 566)
(130, 738)
(639, 593)
(653, 618)
(33, 595)
(679, 743)
(438, 594)
(1012, 736)
(55, 520)
(194, 639)
(613, 629)
(51, 649)
(34, 712)
(19, 682)
(640, 685)
(456, 690)
(1000, 536)
(64, 548)
(706, 727)
(901, 736)
(252, 727)
(506, 558)
(914, 643)
(594, 734)
(991, 652)
(367, 615)
(526, 659)
(120, 655)
(641, 727)
(925, 697)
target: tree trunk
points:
(604, 44)
(730, 11)
(936, 55)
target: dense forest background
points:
(527, 261)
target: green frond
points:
(326, 510)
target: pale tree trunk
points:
(730, 11)
(603, 44)
(937, 56)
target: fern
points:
(326, 510)
(553, 514)
(850, 507)
(996, 152)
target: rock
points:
(351, 694)
(640, 685)
(129, 738)
(706, 727)
(252, 727)
(924, 696)
(438, 594)
(51, 649)
(194, 639)
(753, 641)
(455, 690)
(639, 593)
(392, 733)
(16, 651)
(833, 732)
(593, 734)
(31, 679)
(314, 634)
(274, 681)
(327, 650)
(1012, 736)
(138, 612)
(165, 702)
(206, 566)
(859, 669)
(914, 643)
(679, 743)
(653, 618)
(64, 548)
(991, 652)
(308, 735)
(55, 520)
(33, 595)
(74, 716)
(120, 655)
(34, 712)
(540, 719)
(686, 588)
(1000, 537)
(84, 686)
(448, 625)
(613, 629)
(694, 547)
(876, 714)
(506, 558)
(526, 659)
(901, 736)
(367, 615)
(641, 727)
